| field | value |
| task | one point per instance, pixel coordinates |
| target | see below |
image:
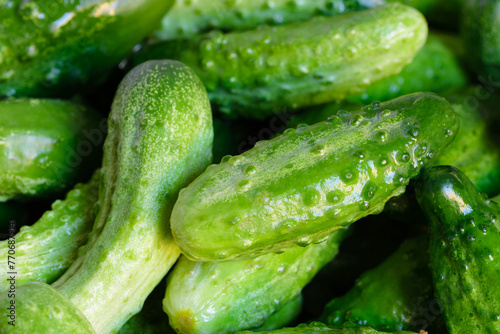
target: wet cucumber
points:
(54, 48)
(46, 145)
(224, 297)
(465, 234)
(392, 296)
(248, 74)
(435, 68)
(303, 185)
(317, 327)
(46, 249)
(158, 141)
(480, 31)
(187, 18)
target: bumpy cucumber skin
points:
(250, 73)
(224, 297)
(188, 18)
(43, 146)
(55, 312)
(303, 185)
(44, 250)
(317, 327)
(464, 249)
(321, 113)
(54, 48)
(160, 138)
(480, 31)
(474, 151)
(435, 68)
(388, 297)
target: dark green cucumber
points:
(391, 296)
(298, 65)
(46, 145)
(317, 327)
(480, 31)
(224, 297)
(475, 150)
(54, 48)
(187, 18)
(303, 185)
(465, 234)
(435, 68)
(44, 250)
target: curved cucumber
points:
(465, 234)
(391, 296)
(224, 297)
(46, 249)
(54, 48)
(187, 18)
(435, 68)
(480, 31)
(158, 141)
(317, 327)
(303, 185)
(46, 145)
(303, 64)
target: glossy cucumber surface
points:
(187, 18)
(224, 297)
(46, 145)
(44, 250)
(465, 234)
(391, 296)
(158, 141)
(303, 185)
(56, 48)
(317, 327)
(250, 74)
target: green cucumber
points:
(224, 297)
(303, 185)
(46, 249)
(465, 234)
(435, 68)
(391, 296)
(54, 48)
(252, 73)
(317, 327)
(188, 18)
(158, 141)
(46, 145)
(475, 150)
(480, 31)
(288, 313)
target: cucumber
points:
(188, 18)
(224, 297)
(480, 27)
(435, 68)
(464, 249)
(317, 327)
(46, 249)
(158, 141)
(56, 48)
(45, 146)
(303, 185)
(252, 73)
(391, 296)
(283, 316)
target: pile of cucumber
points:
(239, 166)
